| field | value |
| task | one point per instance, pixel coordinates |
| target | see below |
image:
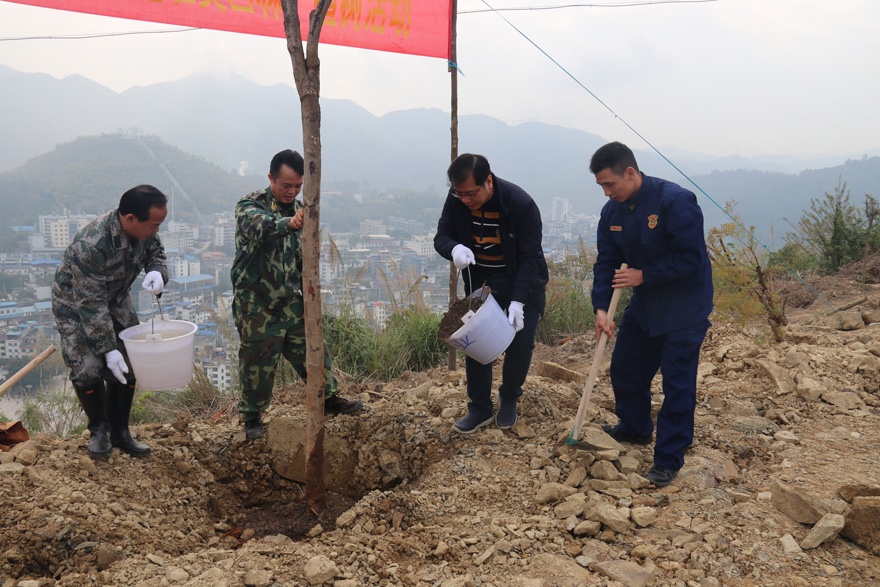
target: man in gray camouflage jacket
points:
(92, 304)
(268, 302)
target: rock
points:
(560, 373)
(569, 508)
(27, 456)
(628, 464)
(606, 471)
(845, 321)
(576, 476)
(629, 573)
(643, 516)
(754, 425)
(553, 492)
(258, 578)
(869, 365)
(601, 511)
(463, 581)
(722, 351)
(486, 555)
(706, 369)
(863, 523)
(850, 492)
(870, 316)
(781, 377)
(419, 392)
(786, 436)
(213, 577)
(809, 389)
(176, 574)
(156, 560)
(320, 569)
(346, 518)
(587, 528)
(546, 565)
(11, 469)
(792, 359)
(797, 505)
(596, 439)
(825, 529)
(523, 430)
(106, 556)
(389, 460)
(606, 455)
(844, 400)
(790, 545)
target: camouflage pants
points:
(86, 367)
(266, 335)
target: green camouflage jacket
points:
(93, 284)
(267, 269)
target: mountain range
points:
(225, 125)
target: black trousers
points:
(517, 357)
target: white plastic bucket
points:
(486, 334)
(162, 363)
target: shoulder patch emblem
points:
(615, 228)
(652, 221)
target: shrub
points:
(408, 343)
(568, 311)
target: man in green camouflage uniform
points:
(268, 302)
(92, 304)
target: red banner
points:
(415, 27)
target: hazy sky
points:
(742, 77)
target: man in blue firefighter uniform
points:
(656, 228)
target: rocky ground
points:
(780, 488)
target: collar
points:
(117, 235)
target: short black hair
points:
(614, 156)
(287, 157)
(139, 199)
(468, 165)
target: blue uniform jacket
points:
(660, 231)
(520, 239)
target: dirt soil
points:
(451, 321)
(785, 434)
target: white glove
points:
(153, 283)
(462, 256)
(116, 363)
(515, 315)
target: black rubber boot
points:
(121, 398)
(93, 401)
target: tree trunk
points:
(306, 74)
(452, 362)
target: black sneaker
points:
(506, 416)
(661, 477)
(339, 405)
(471, 423)
(617, 434)
(254, 429)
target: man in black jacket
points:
(495, 226)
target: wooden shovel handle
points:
(7, 385)
(594, 368)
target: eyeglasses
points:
(462, 195)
